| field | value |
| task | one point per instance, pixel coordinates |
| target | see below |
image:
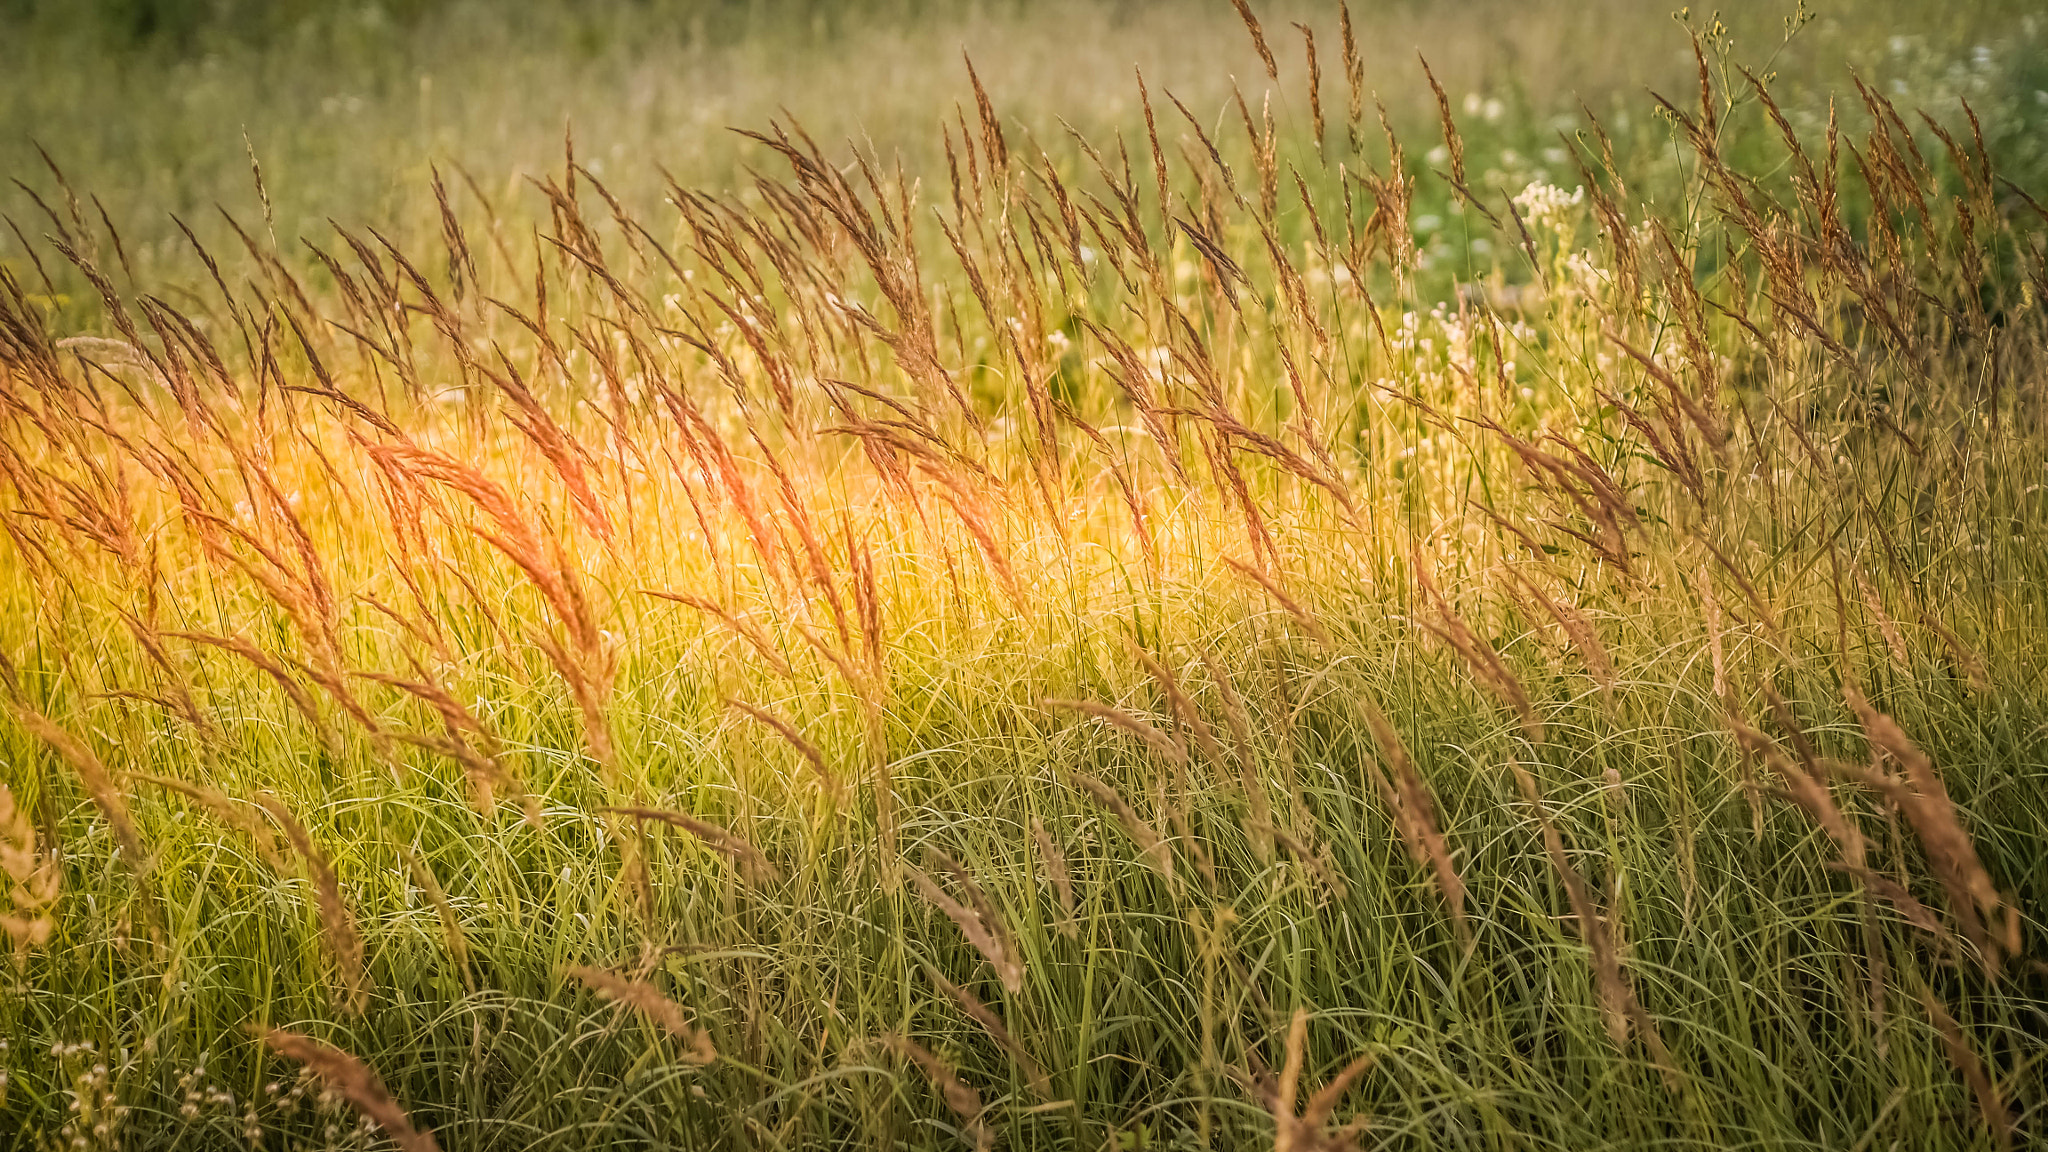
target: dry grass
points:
(355, 1081)
(648, 1001)
(33, 881)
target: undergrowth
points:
(1150, 646)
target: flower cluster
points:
(95, 1112)
(1544, 205)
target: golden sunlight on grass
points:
(1536, 635)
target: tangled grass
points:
(1144, 647)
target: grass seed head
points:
(355, 1082)
(1151, 849)
(338, 930)
(649, 1002)
(977, 920)
(962, 1099)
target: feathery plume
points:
(964, 1101)
(977, 919)
(982, 1014)
(1307, 1131)
(356, 1082)
(337, 924)
(648, 1000)
(1151, 849)
(753, 865)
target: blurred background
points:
(154, 106)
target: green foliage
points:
(1147, 615)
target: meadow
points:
(1103, 576)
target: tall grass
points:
(1016, 650)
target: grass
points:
(1242, 625)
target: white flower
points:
(1586, 275)
(1546, 205)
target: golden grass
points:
(1169, 560)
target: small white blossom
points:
(1546, 205)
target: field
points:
(1221, 576)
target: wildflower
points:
(1546, 205)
